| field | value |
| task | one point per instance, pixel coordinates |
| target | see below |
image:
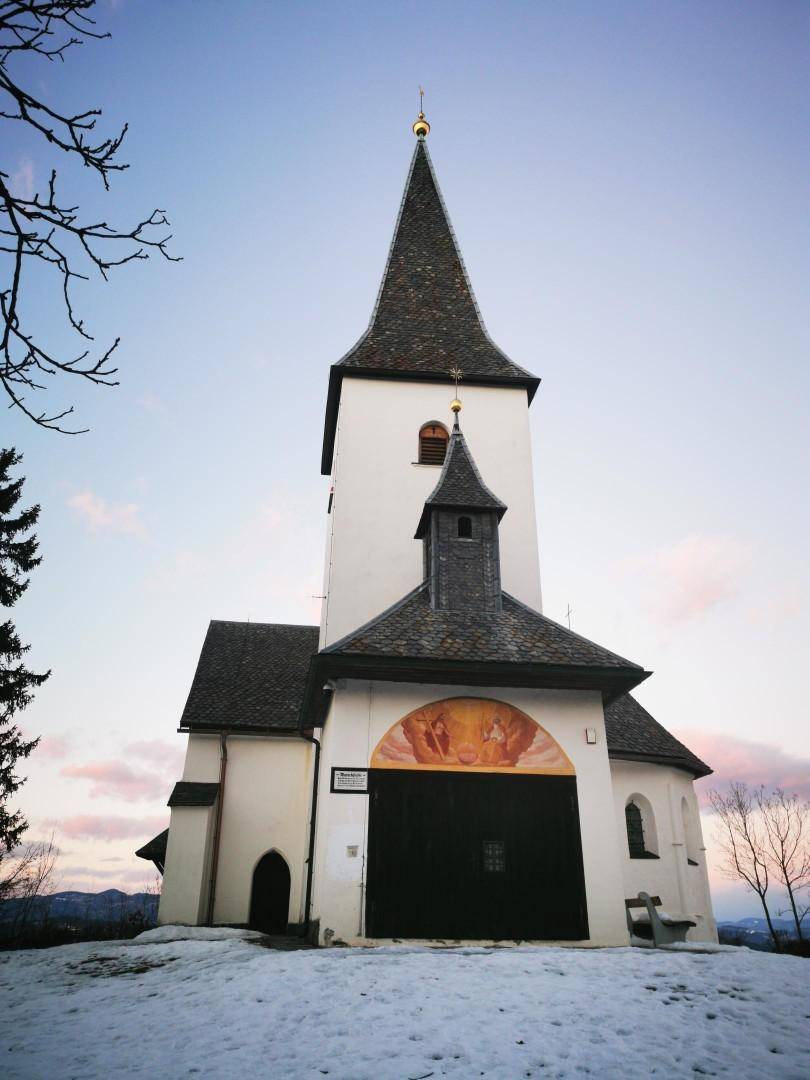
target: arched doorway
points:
(270, 894)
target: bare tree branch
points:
(787, 835)
(39, 229)
(740, 838)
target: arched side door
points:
(270, 894)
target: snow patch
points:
(184, 1000)
(162, 934)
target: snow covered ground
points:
(219, 1004)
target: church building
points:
(437, 760)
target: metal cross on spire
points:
(421, 127)
(455, 404)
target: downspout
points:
(313, 814)
(223, 768)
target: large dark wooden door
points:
(474, 855)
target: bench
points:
(660, 929)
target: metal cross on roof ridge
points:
(457, 374)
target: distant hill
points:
(753, 932)
(76, 916)
(107, 906)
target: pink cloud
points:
(118, 780)
(112, 827)
(88, 872)
(22, 179)
(53, 747)
(108, 517)
(698, 574)
(163, 755)
(754, 763)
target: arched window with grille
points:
(642, 839)
(465, 528)
(432, 443)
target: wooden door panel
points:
(429, 874)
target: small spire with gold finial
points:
(455, 404)
(421, 127)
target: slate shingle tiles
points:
(426, 319)
(250, 675)
(632, 732)
(516, 634)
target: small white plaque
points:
(349, 781)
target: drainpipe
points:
(313, 813)
(223, 767)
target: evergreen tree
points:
(18, 557)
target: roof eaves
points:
(689, 763)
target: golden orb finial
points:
(455, 405)
(421, 127)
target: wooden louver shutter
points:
(432, 445)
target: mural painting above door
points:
(471, 735)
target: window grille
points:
(465, 528)
(432, 444)
(635, 831)
(494, 857)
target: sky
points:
(629, 186)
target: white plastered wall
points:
(184, 893)
(372, 559)
(267, 788)
(361, 714)
(683, 889)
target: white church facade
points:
(437, 760)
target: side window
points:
(642, 836)
(689, 834)
(465, 528)
(432, 444)
(635, 831)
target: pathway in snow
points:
(219, 1006)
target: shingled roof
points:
(240, 663)
(460, 486)
(155, 850)
(250, 676)
(633, 735)
(425, 320)
(193, 793)
(517, 634)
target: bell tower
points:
(384, 393)
(459, 531)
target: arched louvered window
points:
(465, 528)
(432, 444)
(635, 831)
